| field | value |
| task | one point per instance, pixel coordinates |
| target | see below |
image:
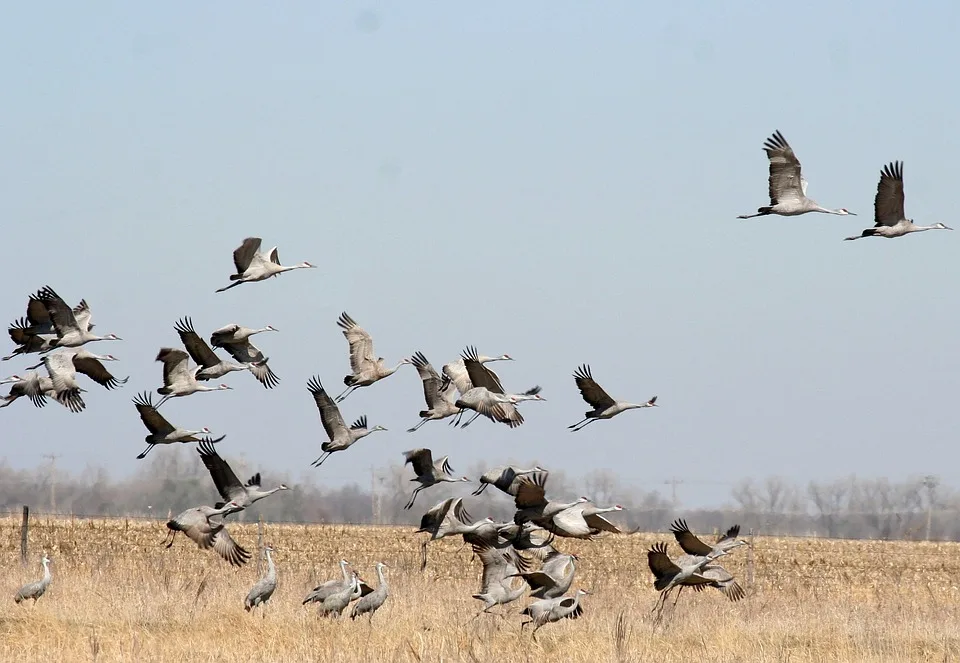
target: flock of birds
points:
(516, 556)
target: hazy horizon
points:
(555, 182)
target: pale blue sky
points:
(554, 180)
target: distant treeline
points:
(175, 480)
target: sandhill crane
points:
(429, 473)
(334, 604)
(720, 577)
(531, 501)
(546, 611)
(38, 388)
(88, 363)
(161, 430)
(486, 395)
(582, 521)
(325, 589)
(529, 538)
(604, 407)
(366, 367)
(63, 376)
(227, 483)
(788, 188)
(554, 577)
(370, 603)
(199, 526)
(178, 378)
(236, 341)
(35, 332)
(252, 265)
(889, 218)
(669, 573)
(694, 546)
(209, 365)
(34, 590)
(506, 478)
(501, 565)
(457, 370)
(340, 436)
(447, 518)
(439, 393)
(261, 592)
(71, 331)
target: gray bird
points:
(365, 367)
(506, 478)
(161, 430)
(35, 590)
(787, 187)
(371, 602)
(890, 220)
(531, 501)
(439, 392)
(236, 341)
(668, 573)
(227, 483)
(334, 605)
(253, 265)
(209, 365)
(319, 593)
(546, 611)
(501, 565)
(340, 437)
(604, 406)
(429, 473)
(263, 590)
(204, 525)
(694, 546)
(554, 577)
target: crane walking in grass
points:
(261, 592)
(35, 590)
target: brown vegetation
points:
(119, 596)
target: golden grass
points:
(118, 595)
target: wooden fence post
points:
(24, 527)
(750, 563)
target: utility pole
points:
(930, 482)
(672, 482)
(374, 498)
(52, 478)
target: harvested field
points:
(118, 595)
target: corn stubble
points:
(117, 595)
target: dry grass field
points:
(118, 595)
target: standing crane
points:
(547, 611)
(161, 430)
(236, 341)
(366, 368)
(227, 483)
(319, 593)
(72, 332)
(178, 378)
(253, 266)
(889, 218)
(334, 604)
(439, 393)
(429, 473)
(34, 590)
(261, 592)
(341, 437)
(370, 603)
(604, 407)
(199, 526)
(788, 188)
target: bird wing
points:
(243, 254)
(224, 478)
(730, 534)
(429, 377)
(557, 565)
(61, 315)
(421, 459)
(457, 373)
(531, 490)
(722, 581)
(444, 465)
(785, 176)
(330, 415)
(247, 353)
(199, 351)
(597, 522)
(37, 313)
(361, 344)
(888, 204)
(435, 515)
(688, 540)
(152, 419)
(96, 371)
(592, 393)
(224, 334)
(660, 563)
(60, 367)
(83, 315)
(228, 549)
(175, 367)
(480, 375)
(274, 256)
(498, 563)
